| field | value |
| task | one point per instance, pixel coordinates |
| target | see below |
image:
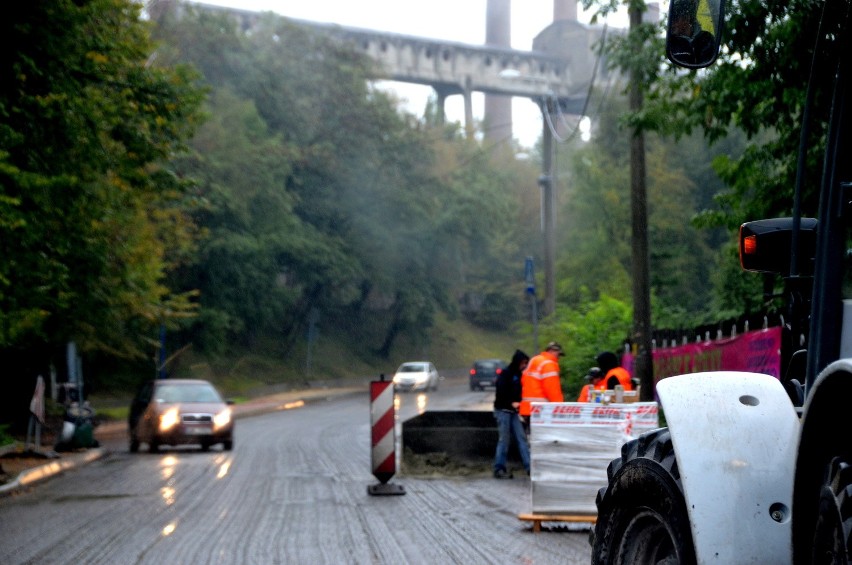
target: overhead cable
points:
(555, 99)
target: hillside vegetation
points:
(182, 189)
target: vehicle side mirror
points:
(766, 245)
(694, 32)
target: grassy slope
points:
(454, 344)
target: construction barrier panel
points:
(383, 444)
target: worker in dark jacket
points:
(507, 398)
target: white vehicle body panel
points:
(735, 437)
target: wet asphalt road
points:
(293, 490)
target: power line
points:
(576, 128)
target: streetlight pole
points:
(529, 277)
(548, 214)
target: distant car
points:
(485, 372)
(180, 412)
(416, 375)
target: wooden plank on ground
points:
(537, 519)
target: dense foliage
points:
(91, 217)
(759, 85)
(749, 105)
(305, 198)
(597, 246)
(323, 200)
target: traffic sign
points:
(529, 275)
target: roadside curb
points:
(51, 469)
(255, 407)
(291, 400)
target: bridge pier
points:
(441, 108)
(550, 70)
(468, 108)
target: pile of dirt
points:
(441, 465)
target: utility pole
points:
(643, 368)
(548, 213)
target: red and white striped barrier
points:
(383, 430)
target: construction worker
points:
(540, 381)
(614, 373)
(596, 381)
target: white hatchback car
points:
(416, 375)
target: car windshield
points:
(487, 365)
(192, 392)
(412, 368)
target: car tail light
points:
(499, 370)
(473, 371)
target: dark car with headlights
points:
(180, 412)
(485, 372)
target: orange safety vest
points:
(623, 377)
(540, 382)
(584, 393)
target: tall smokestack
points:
(498, 23)
(564, 10)
(498, 109)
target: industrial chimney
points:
(498, 109)
(564, 10)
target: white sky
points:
(451, 20)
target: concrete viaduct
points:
(557, 71)
(460, 69)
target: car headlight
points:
(169, 419)
(222, 419)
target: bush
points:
(5, 438)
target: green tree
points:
(757, 89)
(596, 325)
(758, 85)
(728, 182)
(320, 195)
(249, 222)
(596, 254)
(92, 217)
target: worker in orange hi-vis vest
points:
(540, 381)
(614, 373)
(595, 380)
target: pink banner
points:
(754, 352)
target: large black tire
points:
(822, 495)
(642, 516)
(834, 519)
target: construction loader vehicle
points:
(753, 468)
